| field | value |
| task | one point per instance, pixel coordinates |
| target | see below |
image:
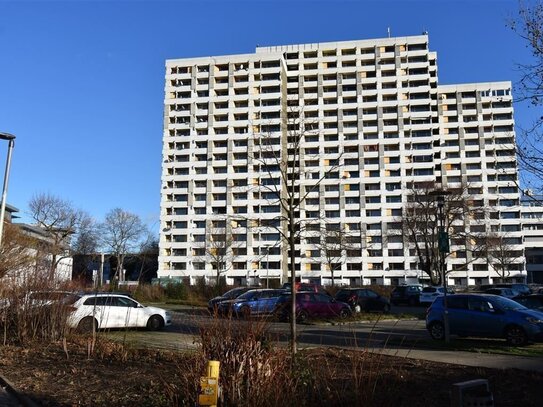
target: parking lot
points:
(399, 337)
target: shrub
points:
(32, 309)
(251, 370)
(176, 291)
(149, 293)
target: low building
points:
(37, 247)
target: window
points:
(479, 304)
(457, 302)
(394, 199)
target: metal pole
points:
(11, 138)
(101, 271)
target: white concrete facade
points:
(532, 227)
(375, 106)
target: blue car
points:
(487, 316)
(255, 302)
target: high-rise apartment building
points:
(375, 125)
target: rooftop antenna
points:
(388, 32)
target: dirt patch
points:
(130, 377)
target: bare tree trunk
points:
(292, 246)
(53, 267)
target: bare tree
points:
(121, 234)
(60, 221)
(17, 252)
(286, 182)
(503, 254)
(144, 263)
(220, 246)
(529, 25)
(334, 246)
(86, 240)
(421, 227)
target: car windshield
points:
(233, 293)
(247, 296)
(429, 290)
(506, 304)
(71, 299)
(343, 294)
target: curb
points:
(12, 391)
(362, 321)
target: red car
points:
(311, 305)
(305, 287)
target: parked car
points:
(518, 287)
(105, 310)
(407, 294)
(310, 305)
(36, 299)
(47, 297)
(485, 315)
(317, 288)
(234, 293)
(363, 299)
(253, 302)
(502, 292)
(523, 289)
(532, 301)
(429, 294)
(483, 287)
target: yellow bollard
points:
(213, 368)
(209, 385)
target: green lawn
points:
(365, 316)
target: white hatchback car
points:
(106, 310)
(429, 294)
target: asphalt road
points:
(392, 337)
(351, 334)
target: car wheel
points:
(302, 316)
(516, 336)
(386, 308)
(412, 301)
(395, 303)
(344, 313)
(87, 325)
(155, 323)
(437, 331)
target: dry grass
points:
(25, 313)
(255, 371)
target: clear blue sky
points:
(82, 82)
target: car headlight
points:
(533, 320)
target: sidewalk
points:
(494, 361)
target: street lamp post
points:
(443, 248)
(11, 140)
